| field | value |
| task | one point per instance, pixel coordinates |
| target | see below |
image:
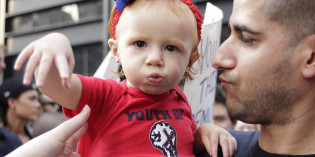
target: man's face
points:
(258, 71)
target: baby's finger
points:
(31, 66)
(63, 69)
(207, 145)
(224, 142)
(43, 69)
(214, 145)
(23, 56)
(232, 145)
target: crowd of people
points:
(23, 110)
(264, 106)
(22, 114)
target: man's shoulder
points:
(246, 141)
(248, 137)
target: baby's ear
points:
(309, 68)
(112, 43)
(194, 56)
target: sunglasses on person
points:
(49, 103)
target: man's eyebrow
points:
(244, 29)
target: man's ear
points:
(112, 43)
(309, 65)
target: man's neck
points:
(297, 137)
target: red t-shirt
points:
(128, 122)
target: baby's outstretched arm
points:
(209, 136)
(51, 59)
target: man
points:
(221, 116)
(268, 65)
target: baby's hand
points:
(44, 53)
(212, 135)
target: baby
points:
(156, 43)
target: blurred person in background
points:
(246, 126)
(47, 121)
(221, 116)
(58, 141)
(48, 104)
(8, 140)
(18, 105)
(50, 116)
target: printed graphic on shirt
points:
(163, 137)
(154, 114)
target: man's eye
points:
(170, 48)
(140, 43)
(246, 40)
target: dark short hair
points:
(297, 17)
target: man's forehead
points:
(248, 3)
(247, 16)
(247, 7)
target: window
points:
(88, 58)
(54, 17)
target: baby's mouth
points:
(155, 78)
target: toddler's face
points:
(154, 48)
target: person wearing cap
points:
(18, 105)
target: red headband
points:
(189, 3)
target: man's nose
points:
(224, 58)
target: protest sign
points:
(200, 92)
(108, 68)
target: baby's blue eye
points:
(170, 48)
(140, 43)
